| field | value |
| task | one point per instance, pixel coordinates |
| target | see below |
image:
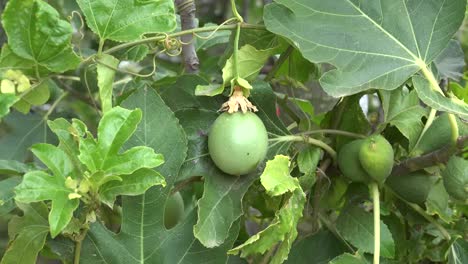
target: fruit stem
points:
(376, 201)
(429, 121)
(435, 86)
(311, 141)
(235, 52)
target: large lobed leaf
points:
(372, 44)
(282, 230)
(37, 33)
(143, 237)
(128, 20)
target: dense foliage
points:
(344, 137)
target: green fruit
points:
(413, 187)
(456, 178)
(237, 142)
(376, 156)
(348, 161)
(174, 210)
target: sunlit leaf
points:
(37, 33)
(128, 20)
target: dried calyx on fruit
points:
(236, 101)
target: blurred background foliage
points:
(82, 104)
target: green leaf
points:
(438, 135)
(6, 101)
(131, 160)
(136, 53)
(437, 100)
(281, 230)
(277, 181)
(18, 132)
(128, 20)
(54, 158)
(382, 54)
(13, 167)
(115, 128)
(105, 75)
(455, 178)
(209, 89)
(36, 32)
(143, 215)
(451, 61)
(7, 186)
(276, 178)
(347, 258)
(356, 226)
(9, 60)
(27, 234)
(221, 204)
(307, 161)
(402, 110)
(458, 252)
(250, 62)
(296, 67)
(132, 184)
(179, 93)
(68, 137)
(37, 95)
(459, 91)
(39, 186)
(352, 119)
(215, 38)
(437, 202)
(319, 248)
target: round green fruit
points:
(376, 156)
(174, 210)
(349, 163)
(414, 187)
(237, 142)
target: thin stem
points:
(311, 141)
(54, 105)
(429, 121)
(235, 52)
(376, 201)
(435, 86)
(66, 77)
(421, 212)
(79, 242)
(181, 33)
(101, 46)
(186, 182)
(431, 220)
(454, 126)
(318, 193)
(235, 12)
(333, 131)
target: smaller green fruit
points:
(376, 156)
(414, 187)
(349, 164)
(174, 210)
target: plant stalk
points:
(376, 202)
(435, 86)
(181, 33)
(311, 141)
(235, 52)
